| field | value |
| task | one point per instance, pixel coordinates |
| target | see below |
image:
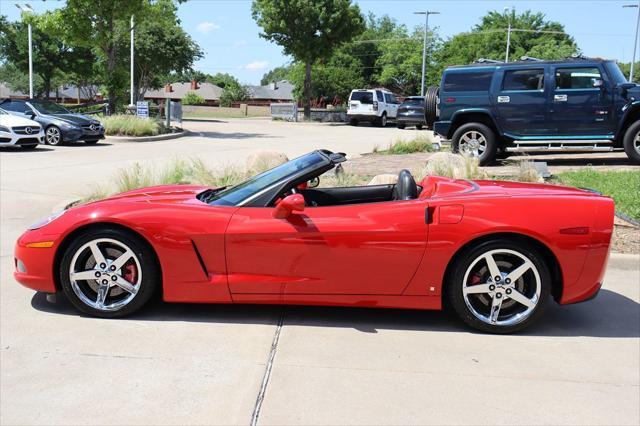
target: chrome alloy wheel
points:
(53, 135)
(502, 287)
(636, 143)
(105, 274)
(472, 143)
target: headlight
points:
(68, 125)
(4, 129)
(45, 221)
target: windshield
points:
(49, 108)
(615, 73)
(363, 97)
(416, 100)
(236, 194)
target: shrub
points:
(192, 98)
(130, 125)
(421, 143)
(455, 166)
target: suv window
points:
(468, 81)
(532, 79)
(577, 78)
(379, 96)
(363, 97)
(390, 98)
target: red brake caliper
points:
(131, 273)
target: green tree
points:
(308, 30)
(533, 36)
(223, 80)
(233, 92)
(187, 76)
(276, 74)
(192, 98)
(625, 67)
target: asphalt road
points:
(207, 364)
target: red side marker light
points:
(449, 100)
(579, 230)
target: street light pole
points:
(424, 47)
(131, 69)
(506, 55)
(635, 41)
(27, 9)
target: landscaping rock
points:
(383, 179)
(455, 166)
(261, 161)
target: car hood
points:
(78, 119)
(165, 194)
(12, 120)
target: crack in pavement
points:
(267, 372)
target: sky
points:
(230, 38)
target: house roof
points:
(208, 91)
(281, 90)
(70, 92)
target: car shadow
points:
(96, 145)
(16, 149)
(609, 315)
(235, 135)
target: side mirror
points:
(314, 183)
(286, 206)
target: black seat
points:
(406, 188)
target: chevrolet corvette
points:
(495, 252)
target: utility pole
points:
(131, 70)
(510, 12)
(424, 47)
(635, 40)
(28, 9)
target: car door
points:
(392, 105)
(359, 249)
(521, 102)
(578, 106)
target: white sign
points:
(142, 109)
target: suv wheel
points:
(475, 140)
(382, 121)
(632, 142)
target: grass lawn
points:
(622, 186)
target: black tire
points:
(485, 157)
(431, 105)
(91, 142)
(28, 147)
(382, 121)
(502, 153)
(353, 122)
(465, 260)
(419, 126)
(400, 125)
(53, 136)
(631, 142)
(150, 273)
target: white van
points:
(376, 106)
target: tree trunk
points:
(307, 91)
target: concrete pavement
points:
(200, 364)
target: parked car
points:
(60, 124)
(579, 104)
(496, 251)
(411, 113)
(375, 106)
(18, 131)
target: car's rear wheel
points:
(632, 142)
(53, 136)
(475, 140)
(499, 286)
(108, 273)
(382, 121)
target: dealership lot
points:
(175, 364)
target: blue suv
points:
(490, 109)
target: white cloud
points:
(256, 65)
(206, 27)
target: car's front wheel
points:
(632, 142)
(53, 136)
(475, 140)
(108, 273)
(499, 286)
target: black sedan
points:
(60, 124)
(411, 113)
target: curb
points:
(166, 137)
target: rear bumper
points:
(410, 119)
(442, 128)
(362, 117)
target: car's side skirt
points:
(353, 300)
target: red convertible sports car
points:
(495, 251)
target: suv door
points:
(521, 102)
(391, 105)
(578, 106)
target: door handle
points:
(560, 98)
(504, 99)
